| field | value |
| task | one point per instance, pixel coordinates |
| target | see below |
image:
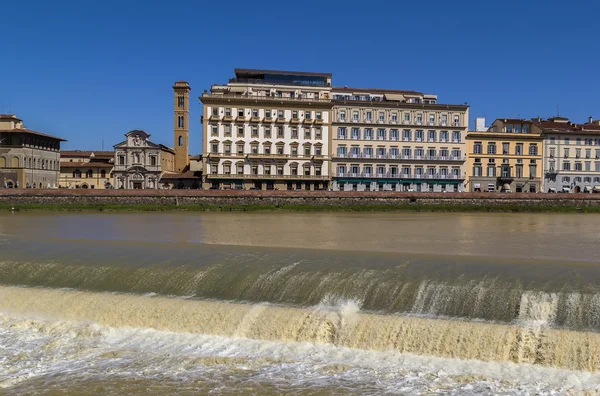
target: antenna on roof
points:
(557, 113)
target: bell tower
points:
(181, 122)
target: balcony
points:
(399, 157)
(265, 177)
(227, 118)
(255, 119)
(241, 119)
(295, 120)
(234, 96)
(280, 120)
(214, 117)
(318, 121)
(268, 120)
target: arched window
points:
(89, 174)
(180, 141)
(103, 174)
(15, 162)
(77, 174)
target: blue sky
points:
(88, 71)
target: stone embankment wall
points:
(322, 198)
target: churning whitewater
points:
(88, 316)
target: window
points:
(280, 132)
(431, 119)
(307, 151)
(355, 116)
(431, 136)
(505, 148)
(577, 153)
(103, 174)
(381, 134)
(369, 116)
(319, 115)
(267, 132)
(588, 153)
(214, 130)
(240, 169)
(406, 118)
(227, 147)
(280, 150)
(255, 113)
(419, 136)
(567, 141)
(406, 152)
(444, 119)
(477, 148)
(532, 170)
(240, 149)
(121, 160)
(215, 147)
(566, 179)
(533, 149)
(307, 133)
(307, 114)
(294, 114)
(318, 151)
(578, 166)
(267, 170)
(519, 171)
(240, 112)
(89, 174)
(431, 152)
(180, 101)
(355, 134)
(381, 116)
(280, 114)
(227, 130)
(406, 135)
(491, 170)
(228, 112)
(342, 133)
(566, 166)
(491, 148)
(240, 132)
(342, 115)
(318, 133)
(254, 148)
(443, 136)
(369, 134)
(394, 117)
(214, 169)
(180, 141)
(268, 113)
(280, 170)
(394, 134)
(519, 149)
(456, 137)
(215, 111)
(419, 119)
(254, 131)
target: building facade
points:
(505, 158)
(86, 169)
(388, 140)
(28, 159)
(268, 130)
(571, 156)
(138, 161)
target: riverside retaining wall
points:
(18, 197)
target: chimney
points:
(590, 120)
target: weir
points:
(342, 325)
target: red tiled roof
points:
(81, 164)
(29, 131)
(10, 117)
(85, 153)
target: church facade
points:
(138, 161)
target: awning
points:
(396, 97)
(477, 185)
(587, 188)
(354, 180)
(390, 181)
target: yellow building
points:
(507, 157)
(86, 169)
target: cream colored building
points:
(571, 155)
(389, 140)
(86, 169)
(268, 129)
(507, 157)
(28, 159)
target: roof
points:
(373, 90)
(81, 164)
(9, 117)
(85, 153)
(29, 131)
(167, 148)
(252, 72)
(514, 120)
(181, 175)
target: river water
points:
(280, 303)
